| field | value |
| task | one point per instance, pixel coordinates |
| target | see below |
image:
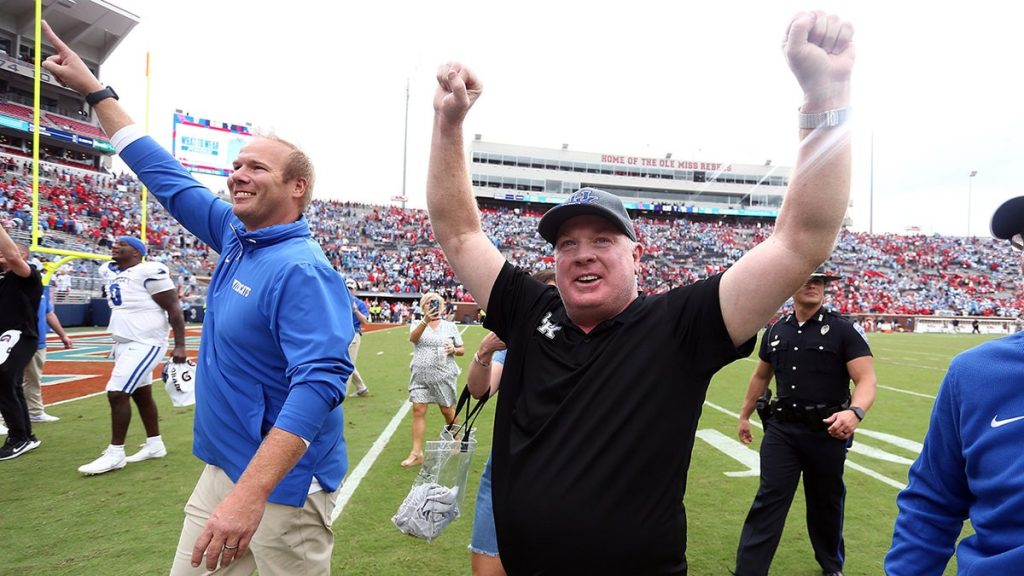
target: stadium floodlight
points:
(970, 180)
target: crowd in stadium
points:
(391, 250)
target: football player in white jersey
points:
(143, 301)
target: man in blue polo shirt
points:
(268, 417)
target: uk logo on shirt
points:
(547, 328)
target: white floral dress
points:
(433, 373)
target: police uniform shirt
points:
(810, 360)
(593, 432)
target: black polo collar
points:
(561, 317)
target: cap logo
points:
(583, 196)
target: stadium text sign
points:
(207, 146)
(666, 163)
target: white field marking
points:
(909, 445)
(921, 366)
(351, 482)
(735, 450)
(65, 378)
(857, 467)
(876, 475)
(861, 448)
(928, 353)
(76, 399)
(902, 391)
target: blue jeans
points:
(484, 540)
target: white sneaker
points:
(148, 451)
(43, 417)
(109, 460)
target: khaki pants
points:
(288, 541)
(353, 354)
(33, 383)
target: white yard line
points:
(348, 487)
(75, 399)
(855, 466)
(902, 391)
(356, 476)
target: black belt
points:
(788, 410)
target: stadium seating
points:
(16, 111)
(390, 250)
(72, 125)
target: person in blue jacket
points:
(971, 466)
(272, 366)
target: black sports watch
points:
(857, 411)
(98, 96)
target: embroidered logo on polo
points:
(996, 422)
(240, 288)
(547, 328)
(581, 197)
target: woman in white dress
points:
(433, 370)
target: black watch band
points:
(98, 96)
(858, 412)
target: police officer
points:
(812, 354)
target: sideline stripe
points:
(349, 485)
(351, 482)
(75, 399)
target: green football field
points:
(55, 521)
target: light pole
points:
(970, 180)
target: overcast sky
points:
(938, 88)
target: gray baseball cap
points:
(582, 202)
(1008, 219)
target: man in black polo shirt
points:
(603, 388)
(21, 289)
(812, 354)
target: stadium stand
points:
(72, 125)
(392, 254)
(16, 111)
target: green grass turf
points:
(55, 521)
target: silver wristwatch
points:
(826, 119)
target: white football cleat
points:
(148, 451)
(109, 460)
